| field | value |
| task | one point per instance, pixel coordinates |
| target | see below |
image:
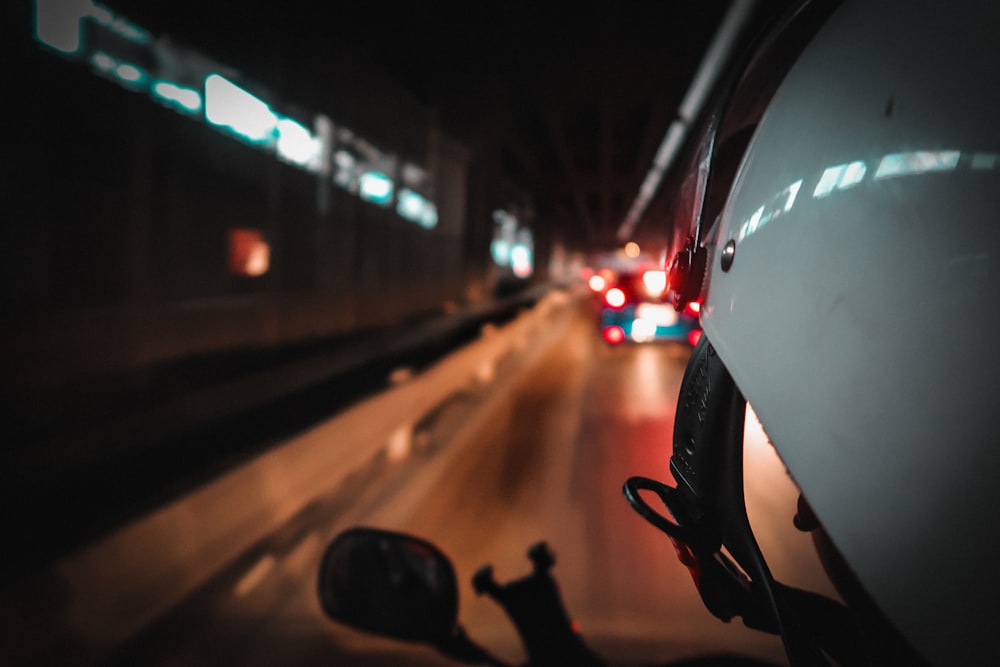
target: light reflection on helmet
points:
(857, 310)
(850, 292)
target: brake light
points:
(614, 334)
(615, 297)
(694, 337)
(655, 282)
(693, 308)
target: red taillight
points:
(693, 309)
(694, 337)
(614, 297)
(614, 334)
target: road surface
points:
(539, 454)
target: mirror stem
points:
(460, 647)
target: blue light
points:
(229, 106)
(429, 219)
(376, 187)
(410, 205)
(500, 249)
(413, 206)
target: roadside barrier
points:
(87, 604)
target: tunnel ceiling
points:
(569, 101)
(572, 102)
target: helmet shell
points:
(859, 315)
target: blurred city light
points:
(614, 334)
(429, 218)
(129, 73)
(344, 173)
(103, 62)
(57, 23)
(297, 145)
(249, 253)
(520, 261)
(125, 73)
(643, 330)
(168, 74)
(523, 253)
(500, 249)
(655, 282)
(410, 205)
(504, 237)
(116, 24)
(632, 249)
(375, 187)
(229, 106)
(416, 208)
(185, 99)
(615, 297)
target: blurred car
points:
(636, 308)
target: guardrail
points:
(85, 605)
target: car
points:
(637, 308)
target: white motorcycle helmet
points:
(850, 292)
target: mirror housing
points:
(390, 584)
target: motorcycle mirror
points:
(390, 584)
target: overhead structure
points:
(719, 52)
